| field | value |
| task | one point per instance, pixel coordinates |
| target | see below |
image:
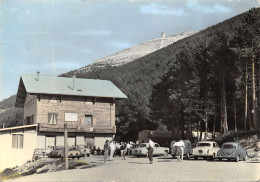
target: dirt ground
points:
(163, 169)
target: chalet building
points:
(87, 106)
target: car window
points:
(203, 144)
(228, 146)
(142, 145)
(157, 145)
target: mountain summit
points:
(132, 53)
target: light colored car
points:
(232, 150)
(84, 149)
(73, 152)
(141, 150)
(206, 149)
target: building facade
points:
(87, 107)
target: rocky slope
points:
(128, 55)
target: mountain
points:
(138, 78)
(128, 55)
(7, 103)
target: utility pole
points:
(66, 146)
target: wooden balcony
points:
(77, 128)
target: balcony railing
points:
(77, 128)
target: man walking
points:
(182, 148)
(112, 149)
(150, 150)
(106, 147)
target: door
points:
(89, 142)
(71, 140)
(50, 141)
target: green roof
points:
(34, 84)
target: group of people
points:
(111, 147)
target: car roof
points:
(233, 143)
(207, 142)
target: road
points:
(163, 169)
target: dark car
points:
(56, 151)
(187, 149)
(232, 150)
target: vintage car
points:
(83, 149)
(141, 150)
(73, 152)
(232, 150)
(56, 151)
(187, 149)
(206, 149)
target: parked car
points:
(84, 149)
(187, 149)
(133, 146)
(232, 150)
(73, 152)
(48, 150)
(56, 151)
(141, 150)
(206, 149)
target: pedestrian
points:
(112, 149)
(150, 150)
(182, 148)
(178, 153)
(106, 147)
(128, 148)
(123, 150)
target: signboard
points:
(71, 116)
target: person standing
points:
(150, 150)
(106, 147)
(128, 147)
(181, 143)
(178, 153)
(123, 150)
(112, 149)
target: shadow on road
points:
(139, 162)
(165, 160)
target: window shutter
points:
(20, 141)
(49, 117)
(55, 118)
(13, 141)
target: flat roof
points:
(19, 127)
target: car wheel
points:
(165, 153)
(88, 155)
(187, 156)
(245, 158)
(196, 158)
(213, 157)
(173, 156)
(78, 157)
(237, 158)
(220, 159)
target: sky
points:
(57, 36)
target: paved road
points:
(163, 169)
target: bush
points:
(9, 173)
(236, 136)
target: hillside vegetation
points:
(189, 81)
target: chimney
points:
(73, 86)
(38, 75)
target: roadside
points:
(163, 169)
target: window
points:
(52, 118)
(88, 119)
(17, 141)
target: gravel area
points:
(163, 169)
